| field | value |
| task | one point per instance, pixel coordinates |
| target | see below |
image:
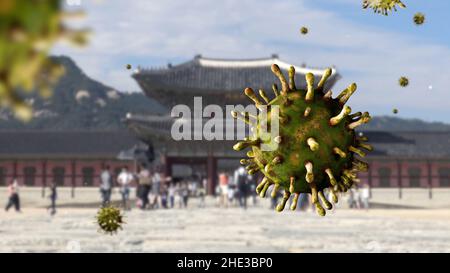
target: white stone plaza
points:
(213, 229)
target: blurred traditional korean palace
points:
(400, 159)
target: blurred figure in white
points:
(357, 197)
(105, 185)
(351, 199)
(365, 196)
(125, 179)
(13, 192)
(171, 192)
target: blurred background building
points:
(402, 159)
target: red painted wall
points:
(9, 168)
(41, 167)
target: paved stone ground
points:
(229, 230)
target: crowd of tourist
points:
(153, 190)
(156, 191)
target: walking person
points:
(202, 193)
(53, 196)
(179, 195)
(365, 196)
(156, 185)
(145, 185)
(13, 193)
(171, 192)
(231, 194)
(125, 179)
(351, 199)
(357, 197)
(164, 196)
(223, 183)
(240, 177)
(252, 188)
(106, 186)
(185, 194)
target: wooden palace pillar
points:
(399, 179)
(211, 168)
(166, 166)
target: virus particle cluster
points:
(316, 146)
(403, 81)
(109, 219)
(304, 30)
(28, 30)
(419, 18)
(383, 6)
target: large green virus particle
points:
(395, 111)
(28, 30)
(128, 66)
(383, 6)
(316, 145)
(304, 30)
(403, 81)
(419, 18)
(109, 219)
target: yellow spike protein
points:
(316, 145)
(383, 6)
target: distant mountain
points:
(80, 102)
(386, 123)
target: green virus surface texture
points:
(383, 6)
(109, 219)
(317, 144)
(28, 31)
(304, 30)
(403, 81)
(395, 111)
(419, 18)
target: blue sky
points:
(369, 49)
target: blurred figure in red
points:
(223, 183)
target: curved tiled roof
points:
(393, 144)
(64, 144)
(221, 74)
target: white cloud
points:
(142, 31)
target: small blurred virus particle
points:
(316, 150)
(129, 66)
(403, 81)
(430, 87)
(419, 18)
(304, 30)
(395, 111)
(29, 29)
(382, 6)
(109, 219)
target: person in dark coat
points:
(14, 200)
(53, 196)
